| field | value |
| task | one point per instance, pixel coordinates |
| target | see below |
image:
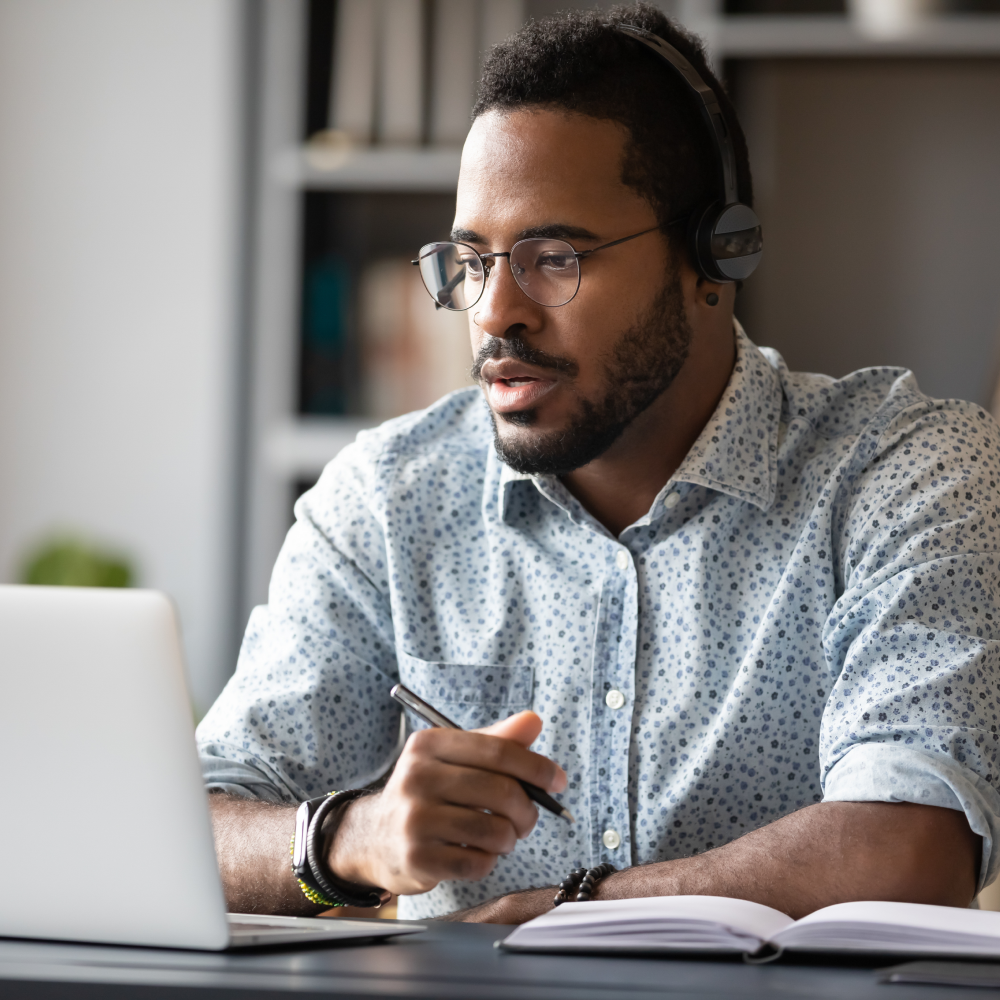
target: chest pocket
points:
(471, 695)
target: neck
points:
(619, 487)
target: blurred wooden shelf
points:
(378, 169)
(750, 36)
(299, 449)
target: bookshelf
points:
(287, 447)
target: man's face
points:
(563, 383)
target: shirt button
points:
(611, 839)
(673, 499)
(614, 699)
(622, 559)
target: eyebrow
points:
(552, 231)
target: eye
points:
(472, 266)
(555, 260)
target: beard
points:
(637, 370)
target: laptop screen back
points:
(105, 833)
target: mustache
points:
(515, 346)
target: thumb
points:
(522, 728)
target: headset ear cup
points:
(726, 242)
(700, 242)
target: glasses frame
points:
(489, 259)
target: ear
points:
(705, 301)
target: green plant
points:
(69, 562)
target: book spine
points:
(501, 18)
(454, 70)
(401, 72)
(352, 98)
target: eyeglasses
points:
(547, 271)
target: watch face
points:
(301, 836)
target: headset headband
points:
(724, 237)
(707, 101)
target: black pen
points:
(430, 714)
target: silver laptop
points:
(104, 829)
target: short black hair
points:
(577, 62)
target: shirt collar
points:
(508, 477)
(736, 452)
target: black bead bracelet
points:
(583, 882)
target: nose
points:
(504, 309)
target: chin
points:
(520, 418)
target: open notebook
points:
(717, 923)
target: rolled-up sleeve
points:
(913, 641)
(307, 710)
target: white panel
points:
(401, 66)
(118, 188)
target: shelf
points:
(300, 449)
(421, 169)
(762, 36)
(743, 36)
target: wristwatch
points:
(309, 849)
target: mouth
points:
(512, 386)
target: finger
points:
(439, 862)
(489, 753)
(522, 728)
(430, 781)
(471, 828)
(472, 788)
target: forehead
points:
(533, 167)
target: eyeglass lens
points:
(547, 271)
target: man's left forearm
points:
(828, 853)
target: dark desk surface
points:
(448, 961)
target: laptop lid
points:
(106, 834)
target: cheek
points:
(475, 334)
(609, 301)
(581, 336)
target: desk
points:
(448, 962)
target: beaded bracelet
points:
(582, 881)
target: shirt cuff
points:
(878, 772)
(242, 775)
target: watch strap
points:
(308, 848)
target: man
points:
(752, 611)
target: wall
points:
(118, 197)
(876, 184)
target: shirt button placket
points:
(613, 826)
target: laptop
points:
(105, 833)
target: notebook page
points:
(652, 923)
(902, 927)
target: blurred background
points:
(207, 210)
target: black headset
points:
(724, 237)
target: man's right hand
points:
(451, 807)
